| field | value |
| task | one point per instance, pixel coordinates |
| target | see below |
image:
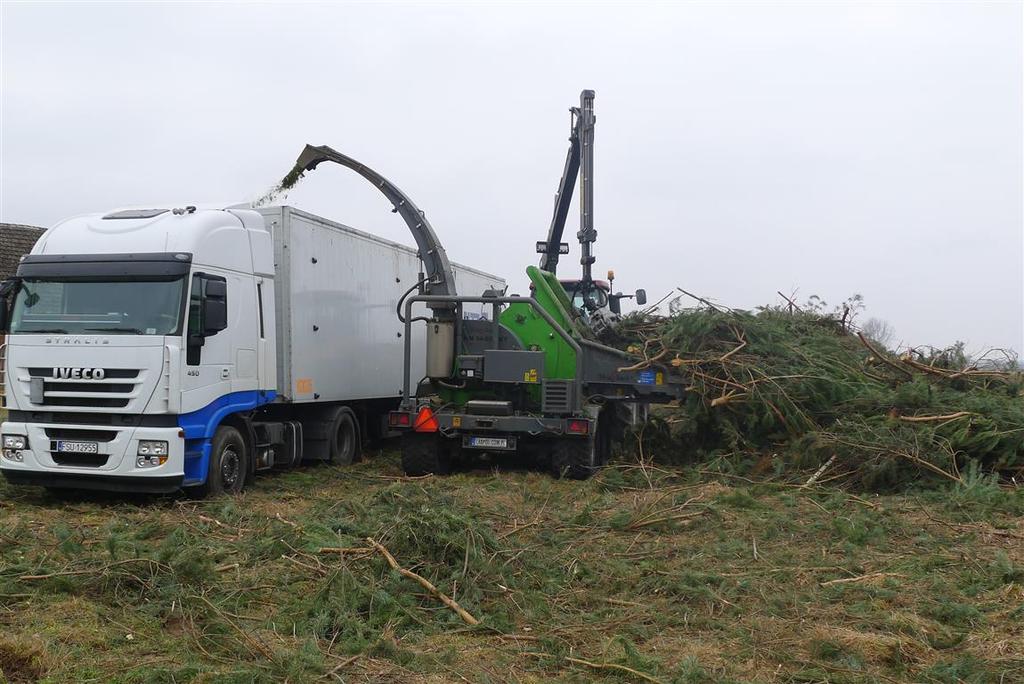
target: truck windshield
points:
(126, 307)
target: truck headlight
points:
(152, 448)
(13, 444)
(151, 453)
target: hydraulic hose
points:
(401, 300)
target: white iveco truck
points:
(160, 349)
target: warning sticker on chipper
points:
(530, 375)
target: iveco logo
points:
(78, 373)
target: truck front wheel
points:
(423, 454)
(229, 463)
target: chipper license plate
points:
(502, 443)
(78, 447)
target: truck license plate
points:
(78, 447)
(489, 442)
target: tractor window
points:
(587, 296)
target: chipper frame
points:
(532, 380)
(529, 381)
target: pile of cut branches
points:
(779, 390)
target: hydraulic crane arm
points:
(440, 279)
(581, 153)
(549, 257)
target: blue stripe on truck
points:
(199, 427)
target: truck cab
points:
(132, 335)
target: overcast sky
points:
(826, 149)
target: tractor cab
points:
(596, 295)
(587, 297)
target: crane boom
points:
(550, 253)
(580, 156)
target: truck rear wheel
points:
(576, 458)
(229, 464)
(344, 438)
(424, 454)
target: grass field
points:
(637, 575)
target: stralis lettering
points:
(78, 373)
(77, 340)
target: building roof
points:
(16, 240)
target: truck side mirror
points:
(207, 313)
(641, 297)
(215, 306)
(215, 316)
(615, 304)
(216, 288)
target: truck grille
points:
(80, 460)
(115, 390)
(81, 434)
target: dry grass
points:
(639, 575)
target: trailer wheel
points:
(344, 438)
(229, 464)
(424, 454)
(577, 458)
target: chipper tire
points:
(576, 458)
(424, 454)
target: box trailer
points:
(151, 350)
(338, 332)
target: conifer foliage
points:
(783, 389)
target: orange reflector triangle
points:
(425, 421)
